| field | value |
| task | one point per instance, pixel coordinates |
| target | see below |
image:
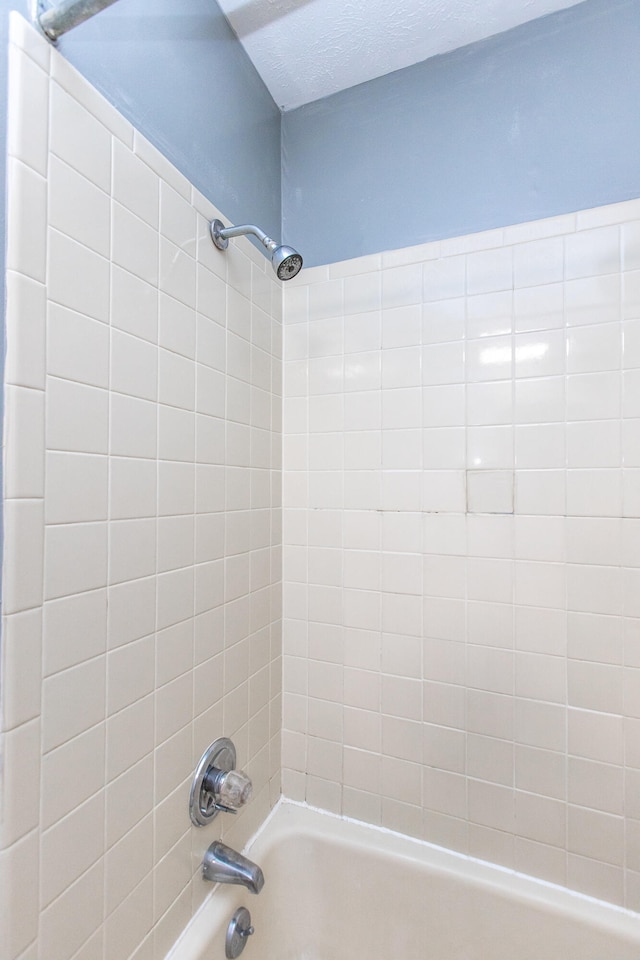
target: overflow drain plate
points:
(238, 931)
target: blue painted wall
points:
(541, 120)
(537, 121)
(179, 74)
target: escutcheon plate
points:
(221, 754)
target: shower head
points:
(286, 261)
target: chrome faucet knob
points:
(228, 789)
(234, 789)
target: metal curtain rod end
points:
(66, 15)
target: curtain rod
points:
(68, 14)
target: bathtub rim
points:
(291, 818)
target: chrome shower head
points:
(286, 261)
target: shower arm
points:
(286, 261)
(226, 233)
(67, 15)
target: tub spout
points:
(221, 864)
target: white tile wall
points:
(142, 529)
(461, 443)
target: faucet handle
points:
(234, 789)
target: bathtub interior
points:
(335, 890)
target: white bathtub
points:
(338, 890)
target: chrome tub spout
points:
(221, 864)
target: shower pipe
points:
(68, 14)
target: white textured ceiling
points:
(308, 49)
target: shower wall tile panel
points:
(142, 585)
(461, 526)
